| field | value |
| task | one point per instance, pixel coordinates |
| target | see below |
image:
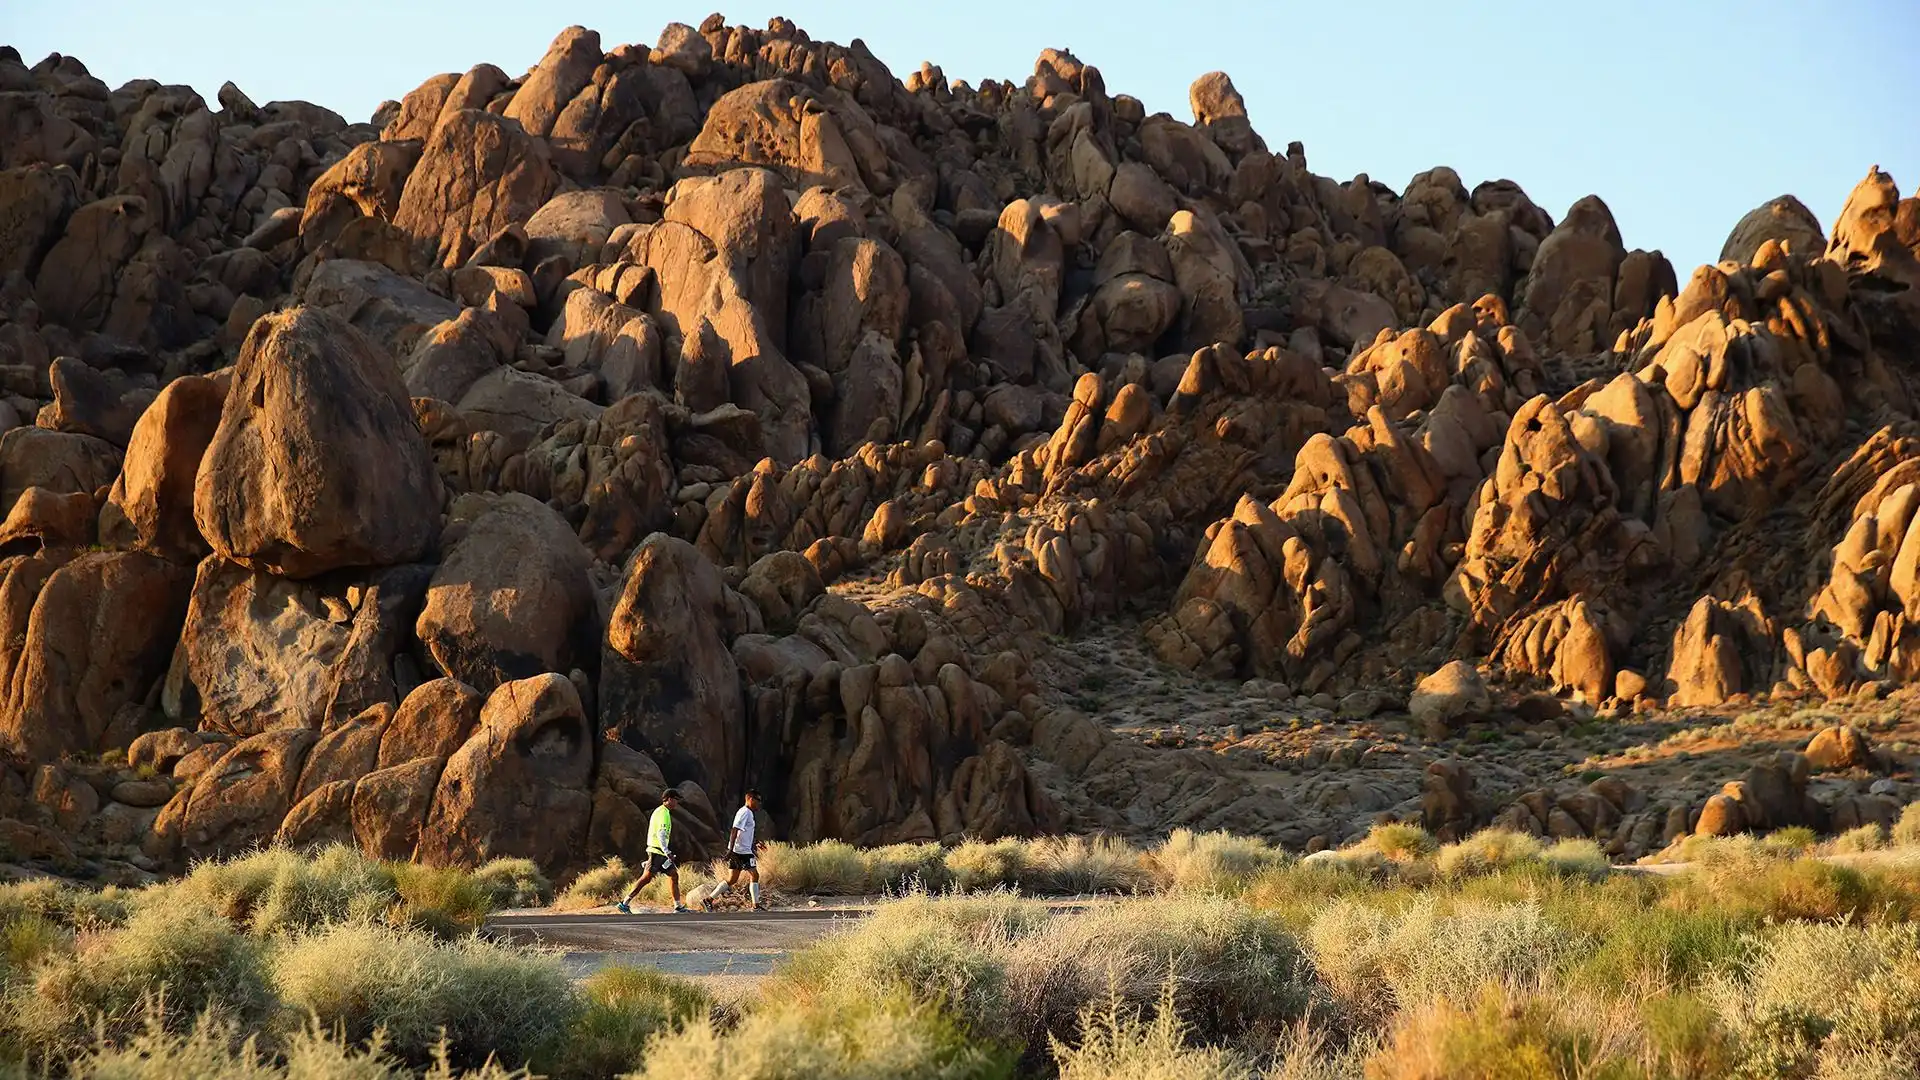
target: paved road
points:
(738, 947)
(662, 932)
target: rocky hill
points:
(945, 460)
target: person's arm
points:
(733, 839)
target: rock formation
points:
(731, 412)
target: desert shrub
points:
(1238, 973)
(625, 1007)
(860, 1036)
(1119, 1043)
(1817, 994)
(513, 883)
(1683, 1037)
(213, 1050)
(973, 865)
(1580, 857)
(1795, 839)
(954, 963)
(899, 868)
(1906, 831)
(1313, 1052)
(1493, 1034)
(1375, 960)
(165, 967)
(988, 918)
(828, 868)
(235, 887)
(1662, 947)
(1298, 893)
(1868, 837)
(1487, 851)
(336, 883)
(63, 905)
(596, 887)
(1399, 841)
(1076, 865)
(442, 900)
(1741, 850)
(487, 999)
(1215, 862)
(1782, 889)
(25, 941)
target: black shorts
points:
(659, 864)
(737, 861)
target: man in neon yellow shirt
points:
(659, 854)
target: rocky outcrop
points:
(511, 598)
(519, 786)
(725, 410)
(317, 464)
(478, 174)
(668, 686)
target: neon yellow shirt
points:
(659, 830)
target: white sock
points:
(753, 890)
(725, 888)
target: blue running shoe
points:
(622, 908)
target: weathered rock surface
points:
(520, 785)
(725, 410)
(317, 464)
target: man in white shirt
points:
(741, 845)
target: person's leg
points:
(673, 885)
(753, 885)
(634, 890)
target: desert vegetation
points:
(1206, 956)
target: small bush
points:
(215, 1051)
(360, 979)
(625, 1008)
(1117, 1043)
(1487, 851)
(597, 887)
(1239, 974)
(1580, 857)
(828, 868)
(1906, 831)
(235, 887)
(1662, 947)
(1684, 1037)
(168, 965)
(1399, 842)
(1868, 837)
(1078, 865)
(861, 1036)
(63, 905)
(445, 901)
(1817, 994)
(975, 865)
(1781, 889)
(1376, 960)
(916, 952)
(26, 940)
(337, 883)
(1215, 862)
(1796, 839)
(988, 918)
(900, 868)
(513, 883)
(1496, 1034)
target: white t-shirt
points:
(743, 820)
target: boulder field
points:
(731, 412)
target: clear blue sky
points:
(1682, 114)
